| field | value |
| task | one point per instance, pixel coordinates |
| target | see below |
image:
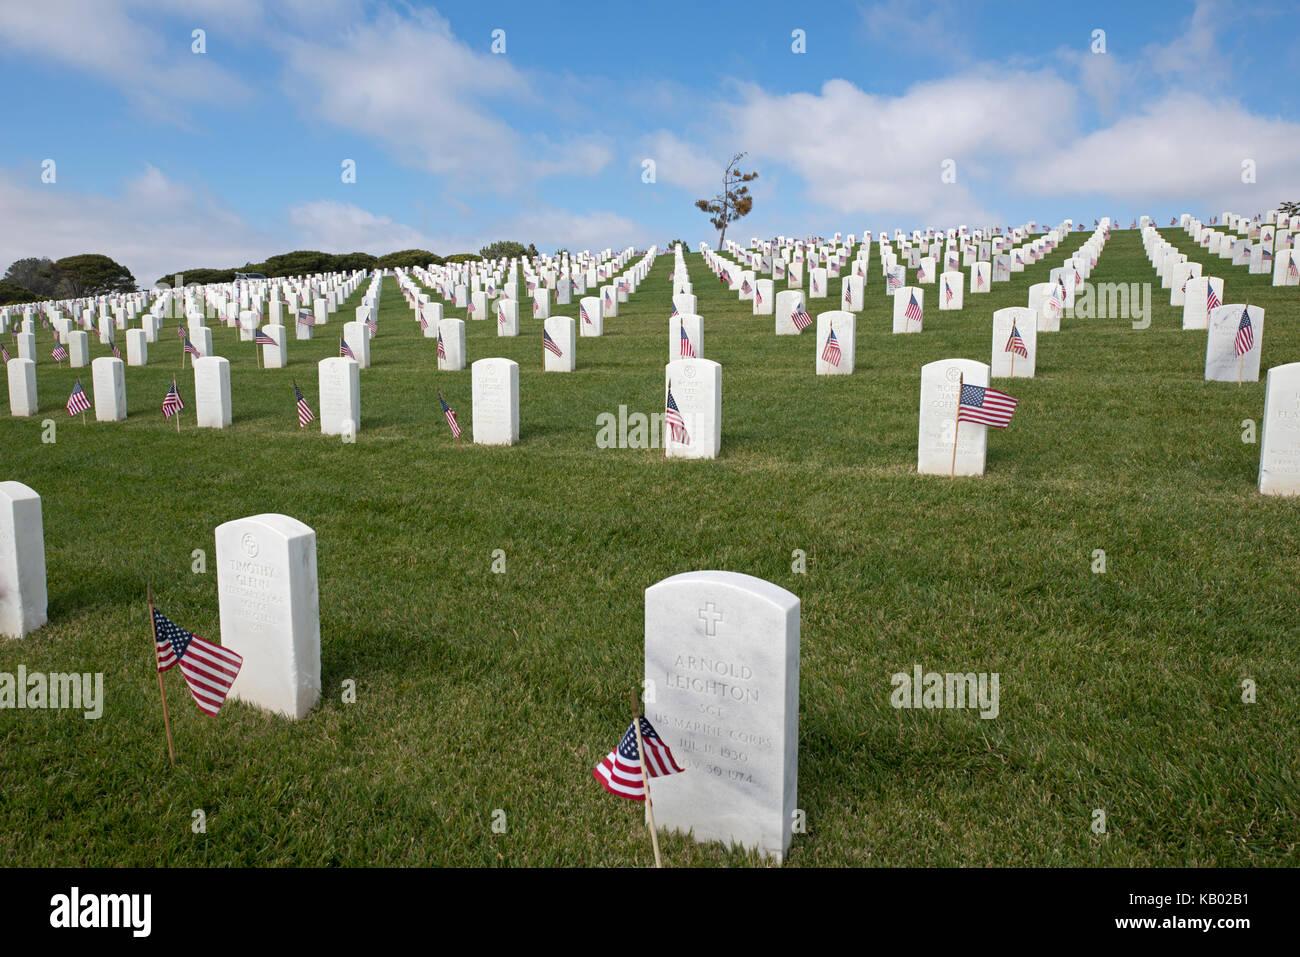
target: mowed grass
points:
(478, 691)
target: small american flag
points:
(192, 349)
(831, 352)
(1015, 343)
(4, 353)
(209, 669)
(673, 417)
(587, 319)
(78, 402)
(674, 312)
(1292, 271)
(620, 772)
(262, 339)
(536, 307)
(117, 353)
(451, 416)
(424, 323)
(1211, 297)
(180, 332)
(305, 414)
(800, 318)
(848, 294)
(687, 350)
(985, 406)
(172, 403)
(345, 350)
(59, 353)
(372, 324)
(947, 293)
(442, 350)
(979, 279)
(913, 310)
(306, 317)
(758, 297)
(895, 281)
(744, 287)
(1245, 340)
(549, 345)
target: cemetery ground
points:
(477, 691)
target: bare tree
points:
(733, 202)
(1289, 209)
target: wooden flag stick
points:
(663, 430)
(955, 426)
(645, 779)
(167, 721)
(1241, 360)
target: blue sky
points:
(166, 158)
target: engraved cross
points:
(710, 615)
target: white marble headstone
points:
(109, 376)
(1006, 361)
(269, 600)
(495, 388)
(836, 356)
(562, 330)
(722, 691)
(23, 606)
(940, 381)
(22, 386)
(212, 392)
(1279, 437)
(339, 379)
(696, 388)
(1222, 364)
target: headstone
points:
(453, 344)
(1196, 300)
(851, 293)
(276, 356)
(22, 560)
(940, 391)
(137, 348)
(340, 396)
(722, 664)
(1222, 364)
(789, 302)
(562, 331)
(22, 387)
(432, 312)
(981, 277)
(951, 288)
(696, 388)
(357, 336)
(27, 345)
(507, 317)
(495, 389)
(764, 298)
(836, 342)
(212, 392)
(818, 287)
(684, 303)
(79, 349)
(591, 316)
(1007, 362)
(270, 610)
(685, 337)
(202, 341)
(1045, 307)
(109, 376)
(1279, 436)
(909, 305)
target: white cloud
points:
(862, 153)
(682, 164)
(155, 70)
(1183, 148)
(407, 82)
(153, 227)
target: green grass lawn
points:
(477, 691)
